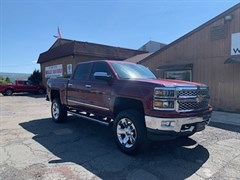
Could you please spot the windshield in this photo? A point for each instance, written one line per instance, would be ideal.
(129, 71)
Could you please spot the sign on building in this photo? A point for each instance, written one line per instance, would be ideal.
(235, 46)
(69, 69)
(54, 71)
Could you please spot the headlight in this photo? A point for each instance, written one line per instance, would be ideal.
(163, 93)
(164, 98)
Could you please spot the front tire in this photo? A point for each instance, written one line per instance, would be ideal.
(129, 131)
(58, 111)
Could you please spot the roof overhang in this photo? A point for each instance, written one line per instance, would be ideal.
(232, 60)
(176, 67)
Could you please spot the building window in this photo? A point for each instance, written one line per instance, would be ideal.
(218, 32)
(185, 75)
(177, 71)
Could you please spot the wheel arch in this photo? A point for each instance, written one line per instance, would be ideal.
(122, 103)
(54, 94)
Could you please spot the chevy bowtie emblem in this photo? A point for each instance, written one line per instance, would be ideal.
(199, 99)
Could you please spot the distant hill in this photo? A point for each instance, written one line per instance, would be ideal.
(14, 76)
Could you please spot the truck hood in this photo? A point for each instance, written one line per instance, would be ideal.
(170, 83)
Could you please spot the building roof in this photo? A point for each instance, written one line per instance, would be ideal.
(66, 47)
(138, 58)
(152, 46)
(227, 12)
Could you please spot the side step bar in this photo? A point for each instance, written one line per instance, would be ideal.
(89, 118)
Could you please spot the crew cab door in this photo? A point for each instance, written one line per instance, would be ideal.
(100, 89)
(24, 86)
(20, 86)
(77, 88)
(30, 86)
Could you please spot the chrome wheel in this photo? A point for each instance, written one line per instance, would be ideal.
(126, 132)
(55, 110)
(59, 111)
(8, 92)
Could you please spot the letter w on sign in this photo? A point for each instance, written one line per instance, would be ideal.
(235, 44)
(236, 51)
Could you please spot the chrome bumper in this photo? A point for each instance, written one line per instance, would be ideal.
(174, 124)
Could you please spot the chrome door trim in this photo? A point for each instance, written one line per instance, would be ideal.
(89, 105)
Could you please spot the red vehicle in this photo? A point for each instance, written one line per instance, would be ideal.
(21, 86)
(130, 97)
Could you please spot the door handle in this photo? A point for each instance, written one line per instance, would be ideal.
(70, 84)
(88, 86)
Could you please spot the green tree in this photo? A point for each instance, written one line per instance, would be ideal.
(4, 80)
(36, 77)
(1, 80)
(8, 80)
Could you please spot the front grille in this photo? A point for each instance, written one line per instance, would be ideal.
(184, 93)
(184, 106)
(192, 100)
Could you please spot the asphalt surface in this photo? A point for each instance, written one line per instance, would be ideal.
(34, 147)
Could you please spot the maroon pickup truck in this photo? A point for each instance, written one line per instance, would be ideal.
(21, 86)
(133, 100)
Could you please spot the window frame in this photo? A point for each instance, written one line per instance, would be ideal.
(166, 73)
(92, 72)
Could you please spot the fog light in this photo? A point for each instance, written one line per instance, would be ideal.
(163, 104)
(167, 123)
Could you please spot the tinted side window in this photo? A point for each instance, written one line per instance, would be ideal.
(21, 82)
(82, 71)
(30, 83)
(100, 67)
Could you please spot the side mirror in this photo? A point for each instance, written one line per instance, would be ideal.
(102, 76)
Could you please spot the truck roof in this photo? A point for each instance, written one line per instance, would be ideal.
(108, 61)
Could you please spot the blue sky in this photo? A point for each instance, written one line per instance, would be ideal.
(27, 26)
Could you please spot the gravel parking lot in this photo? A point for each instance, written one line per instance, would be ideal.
(34, 147)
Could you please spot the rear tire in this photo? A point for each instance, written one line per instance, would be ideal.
(58, 111)
(129, 131)
(8, 92)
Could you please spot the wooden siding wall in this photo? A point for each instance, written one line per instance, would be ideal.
(207, 57)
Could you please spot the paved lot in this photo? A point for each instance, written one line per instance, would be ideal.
(33, 147)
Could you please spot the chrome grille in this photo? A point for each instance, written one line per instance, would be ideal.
(191, 105)
(192, 99)
(201, 92)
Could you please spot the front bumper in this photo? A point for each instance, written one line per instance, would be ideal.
(170, 128)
